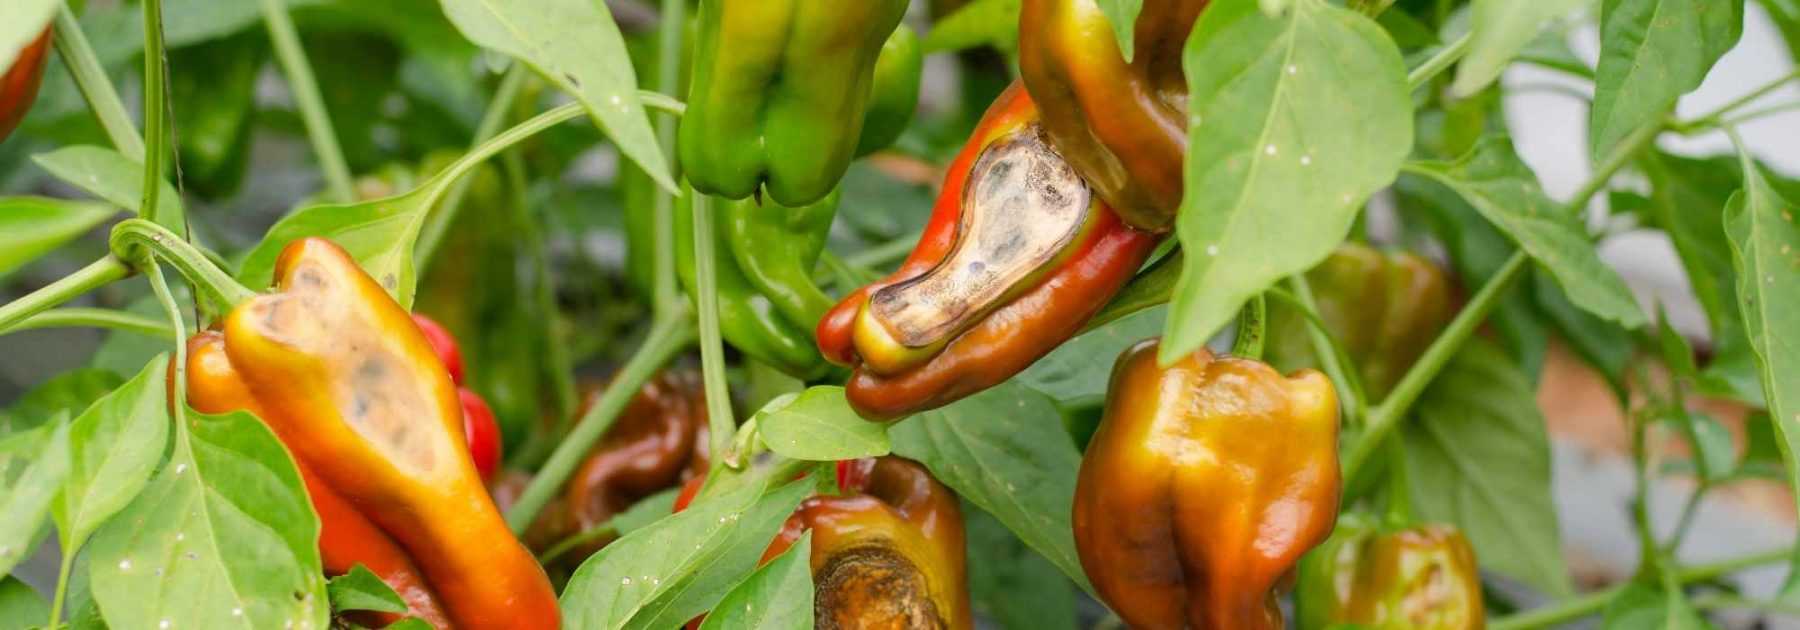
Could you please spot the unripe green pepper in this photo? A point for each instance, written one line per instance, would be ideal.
(1420, 578)
(895, 94)
(1383, 308)
(779, 92)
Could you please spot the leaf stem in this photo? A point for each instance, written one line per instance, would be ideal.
(1251, 323)
(78, 317)
(98, 273)
(442, 181)
(668, 336)
(305, 89)
(1713, 118)
(90, 77)
(665, 295)
(440, 216)
(712, 351)
(1445, 56)
(580, 538)
(156, 135)
(62, 589)
(218, 288)
(1582, 606)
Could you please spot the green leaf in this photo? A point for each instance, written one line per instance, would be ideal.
(1478, 457)
(111, 176)
(1604, 345)
(1786, 16)
(1293, 123)
(1003, 451)
(21, 608)
(1493, 180)
(819, 425)
(1651, 53)
(361, 589)
(223, 537)
(1715, 452)
(576, 45)
(1123, 14)
(664, 574)
(33, 465)
(114, 446)
(1765, 252)
(33, 226)
(1077, 372)
(71, 392)
(1644, 606)
(1499, 30)
(646, 511)
(779, 595)
(410, 623)
(25, 21)
(979, 23)
(1012, 584)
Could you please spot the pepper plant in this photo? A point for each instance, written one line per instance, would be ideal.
(641, 313)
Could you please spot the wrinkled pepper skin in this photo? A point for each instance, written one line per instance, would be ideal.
(659, 441)
(895, 94)
(1420, 578)
(748, 319)
(356, 391)
(346, 537)
(1383, 308)
(1205, 483)
(1016, 256)
(1123, 125)
(779, 93)
(19, 86)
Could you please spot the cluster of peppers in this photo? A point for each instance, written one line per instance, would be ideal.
(19, 84)
(369, 409)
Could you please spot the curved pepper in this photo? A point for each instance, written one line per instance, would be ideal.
(659, 442)
(1382, 308)
(1122, 124)
(889, 553)
(19, 86)
(355, 390)
(1016, 256)
(776, 248)
(895, 94)
(1422, 578)
(346, 537)
(748, 319)
(1205, 483)
(779, 93)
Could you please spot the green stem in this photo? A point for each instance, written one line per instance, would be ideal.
(438, 221)
(161, 287)
(1626, 151)
(543, 292)
(1250, 329)
(1330, 353)
(90, 77)
(1149, 288)
(156, 104)
(712, 350)
(1713, 118)
(665, 296)
(1399, 499)
(216, 287)
(1755, 114)
(880, 256)
(62, 587)
(79, 317)
(667, 338)
(305, 89)
(1722, 601)
(1582, 606)
(1437, 63)
(96, 274)
(580, 538)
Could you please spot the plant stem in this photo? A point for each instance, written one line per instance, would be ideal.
(90, 77)
(1584, 605)
(156, 105)
(79, 317)
(665, 296)
(1713, 118)
(1437, 63)
(96, 274)
(580, 538)
(305, 89)
(62, 587)
(712, 351)
(440, 183)
(1755, 114)
(441, 215)
(1250, 329)
(218, 288)
(1330, 354)
(543, 292)
(668, 336)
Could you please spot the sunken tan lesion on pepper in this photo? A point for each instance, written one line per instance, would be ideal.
(872, 586)
(1024, 207)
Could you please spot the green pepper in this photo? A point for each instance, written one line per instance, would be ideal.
(896, 91)
(779, 93)
(1415, 578)
(748, 319)
(776, 248)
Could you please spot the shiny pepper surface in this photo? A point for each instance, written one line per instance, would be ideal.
(779, 93)
(1122, 124)
(355, 390)
(659, 442)
(1382, 308)
(757, 323)
(1016, 256)
(1420, 578)
(19, 85)
(895, 94)
(346, 537)
(1205, 483)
